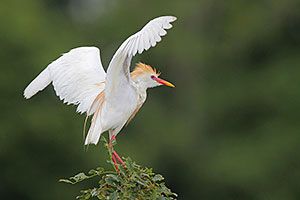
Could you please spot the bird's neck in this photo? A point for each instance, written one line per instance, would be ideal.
(140, 86)
(142, 93)
(140, 83)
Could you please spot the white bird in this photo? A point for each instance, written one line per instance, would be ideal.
(113, 98)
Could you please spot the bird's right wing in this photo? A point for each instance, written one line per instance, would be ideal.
(77, 76)
(118, 73)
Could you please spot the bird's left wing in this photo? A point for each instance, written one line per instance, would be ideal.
(118, 73)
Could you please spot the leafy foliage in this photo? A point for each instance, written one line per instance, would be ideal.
(130, 182)
(232, 123)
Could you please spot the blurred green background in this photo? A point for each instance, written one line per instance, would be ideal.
(229, 130)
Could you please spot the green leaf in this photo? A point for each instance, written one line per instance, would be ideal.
(113, 196)
(66, 181)
(157, 178)
(112, 180)
(132, 182)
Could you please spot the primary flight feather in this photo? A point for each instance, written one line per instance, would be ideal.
(113, 98)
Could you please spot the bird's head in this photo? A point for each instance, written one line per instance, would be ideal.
(148, 77)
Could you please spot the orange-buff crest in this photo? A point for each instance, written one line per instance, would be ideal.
(142, 68)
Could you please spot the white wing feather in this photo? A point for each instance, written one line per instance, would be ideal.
(77, 76)
(118, 70)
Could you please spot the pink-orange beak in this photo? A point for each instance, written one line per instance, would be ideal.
(163, 82)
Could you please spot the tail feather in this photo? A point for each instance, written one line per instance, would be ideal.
(95, 130)
(38, 84)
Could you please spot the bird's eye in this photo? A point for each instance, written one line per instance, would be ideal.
(153, 77)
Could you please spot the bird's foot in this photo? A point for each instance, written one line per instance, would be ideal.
(117, 160)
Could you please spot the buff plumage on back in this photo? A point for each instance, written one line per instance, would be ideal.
(118, 73)
(79, 78)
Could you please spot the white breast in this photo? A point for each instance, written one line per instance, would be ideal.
(116, 112)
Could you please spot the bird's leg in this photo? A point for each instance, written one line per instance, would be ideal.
(111, 149)
(110, 144)
(114, 153)
(115, 162)
(114, 156)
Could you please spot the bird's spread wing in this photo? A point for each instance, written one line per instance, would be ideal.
(118, 71)
(77, 76)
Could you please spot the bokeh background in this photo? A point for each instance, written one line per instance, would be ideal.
(229, 130)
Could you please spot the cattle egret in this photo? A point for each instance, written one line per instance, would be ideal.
(113, 98)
